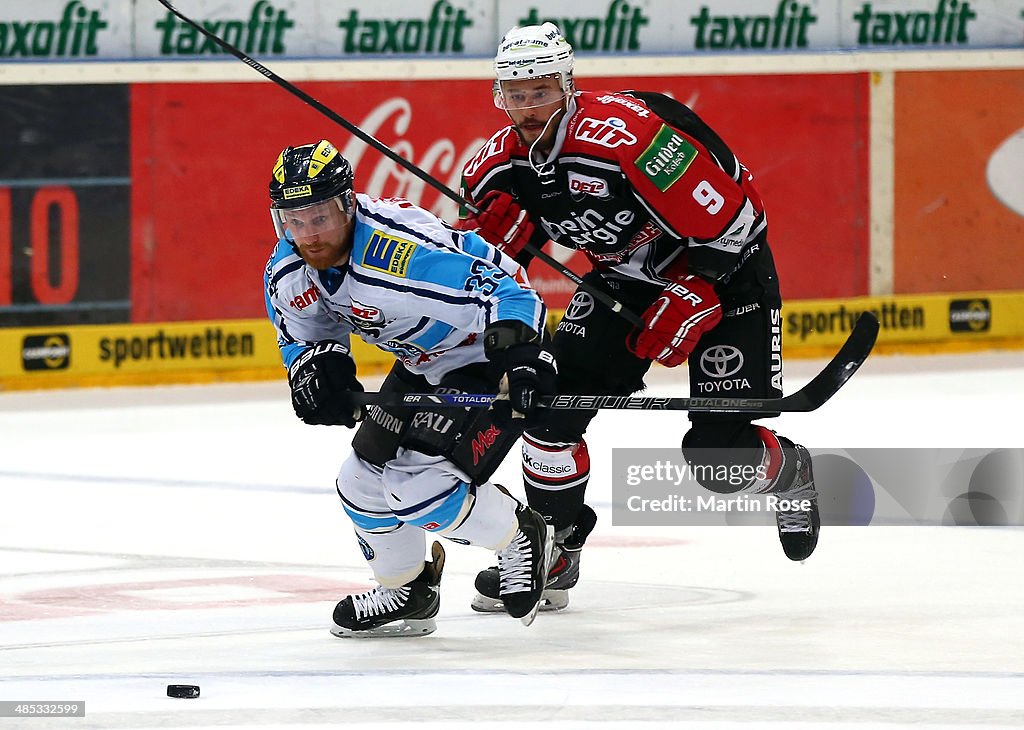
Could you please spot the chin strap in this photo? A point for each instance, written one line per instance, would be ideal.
(547, 169)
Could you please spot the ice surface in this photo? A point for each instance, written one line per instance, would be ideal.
(192, 535)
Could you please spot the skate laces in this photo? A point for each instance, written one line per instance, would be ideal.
(379, 601)
(797, 520)
(515, 565)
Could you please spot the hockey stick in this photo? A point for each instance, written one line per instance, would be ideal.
(811, 397)
(423, 175)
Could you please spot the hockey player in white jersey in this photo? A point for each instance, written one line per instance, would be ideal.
(459, 316)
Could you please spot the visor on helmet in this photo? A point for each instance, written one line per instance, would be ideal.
(320, 218)
(517, 95)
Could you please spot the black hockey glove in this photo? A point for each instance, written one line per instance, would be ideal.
(323, 379)
(529, 371)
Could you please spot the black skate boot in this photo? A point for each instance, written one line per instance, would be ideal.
(798, 529)
(563, 575)
(523, 565)
(385, 612)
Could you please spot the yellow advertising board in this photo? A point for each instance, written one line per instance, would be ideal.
(919, 323)
(99, 355)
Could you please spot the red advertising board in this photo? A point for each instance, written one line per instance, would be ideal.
(959, 170)
(202, 155)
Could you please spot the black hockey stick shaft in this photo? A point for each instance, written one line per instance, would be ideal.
(423, 175)
(811, 397)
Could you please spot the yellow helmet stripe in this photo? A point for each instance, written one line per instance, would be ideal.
(324, 153)
(279, 168)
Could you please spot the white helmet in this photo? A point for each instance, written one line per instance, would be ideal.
(534, 50)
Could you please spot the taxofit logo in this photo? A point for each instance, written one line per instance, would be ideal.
(617, 29)
(74, 34)
(261, 31)
(443, 31)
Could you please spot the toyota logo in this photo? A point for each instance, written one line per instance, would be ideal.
(581, 306)
(721, 361)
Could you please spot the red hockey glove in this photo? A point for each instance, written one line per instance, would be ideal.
(676, 321)
(501, 222)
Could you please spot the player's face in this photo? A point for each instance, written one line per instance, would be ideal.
(322, 232)
(531, 103)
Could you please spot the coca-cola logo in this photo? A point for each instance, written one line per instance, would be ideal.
(377, 175)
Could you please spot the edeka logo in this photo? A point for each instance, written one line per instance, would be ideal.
(261, 32)
(946, 26)
(73, 35)
(441, 32)
(787, 28)
(970, 315)
(46, 352)
(617, 30)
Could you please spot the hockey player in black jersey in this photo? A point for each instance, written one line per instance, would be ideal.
(675, 230)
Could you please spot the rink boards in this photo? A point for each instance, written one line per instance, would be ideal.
(245, 349)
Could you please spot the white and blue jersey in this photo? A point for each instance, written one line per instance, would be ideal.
(412, 286)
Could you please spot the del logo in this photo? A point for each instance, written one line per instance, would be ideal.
(484, 440)
(388, 254)
(970, 315)
(586, 185)
(610, 132)
(46, 352)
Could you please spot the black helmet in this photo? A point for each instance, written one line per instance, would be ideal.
(311, 173)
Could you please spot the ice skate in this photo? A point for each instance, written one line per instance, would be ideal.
(523, 565)
(798, 530)
(387, 612)
(563, 574)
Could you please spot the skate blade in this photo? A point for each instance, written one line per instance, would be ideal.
(549, 556)
(406, 627)
(528, 618)
(551, 600)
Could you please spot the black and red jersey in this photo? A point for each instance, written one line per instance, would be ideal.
(637, 181)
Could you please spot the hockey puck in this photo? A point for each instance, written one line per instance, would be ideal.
(182, 690)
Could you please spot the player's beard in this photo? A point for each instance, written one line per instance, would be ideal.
(540, 131)
(323, 254)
